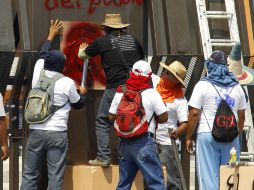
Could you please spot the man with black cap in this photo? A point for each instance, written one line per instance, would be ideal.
(217, 87)
(49, 139)
(119, 51)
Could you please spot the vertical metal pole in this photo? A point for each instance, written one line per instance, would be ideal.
(152, 26)
(178, 162)
(84, 73)
(14, 165)
(145, 26)
(165, 18)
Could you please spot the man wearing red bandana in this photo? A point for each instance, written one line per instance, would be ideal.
(139, 152)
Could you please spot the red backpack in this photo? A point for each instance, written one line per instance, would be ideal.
(131, 118)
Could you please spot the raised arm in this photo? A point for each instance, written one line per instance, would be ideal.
(54, 30)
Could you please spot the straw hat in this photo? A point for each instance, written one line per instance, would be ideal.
(114, 21)
(177, 69)
(244, 74)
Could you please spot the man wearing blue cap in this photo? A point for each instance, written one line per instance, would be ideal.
(218, 85)
(49, 139)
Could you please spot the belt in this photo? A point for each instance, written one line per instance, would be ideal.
(149, 134)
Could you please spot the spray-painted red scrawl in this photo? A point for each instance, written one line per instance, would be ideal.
(74, 34)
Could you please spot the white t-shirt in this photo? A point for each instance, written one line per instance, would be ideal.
(205, 95)
(65, 91)
(177, 112)
(152, 103)
(2, 112)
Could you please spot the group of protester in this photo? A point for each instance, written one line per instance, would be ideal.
(164, 104)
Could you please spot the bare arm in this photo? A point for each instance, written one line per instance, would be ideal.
(162, 118)
(111, 117)
(194, 116)
(54, 30)
(179, 131)
(241, 118)
(3, 138)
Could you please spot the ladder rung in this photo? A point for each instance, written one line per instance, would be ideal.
(218, 13)
(249, 157)
(222, 42)
(219, 16)
(247, 153)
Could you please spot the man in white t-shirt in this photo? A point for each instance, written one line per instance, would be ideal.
(49, 139)
(207, 94)
(170, 86)
(3, 131)
(139, 152)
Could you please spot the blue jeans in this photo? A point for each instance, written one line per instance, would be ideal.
(139, 153)
(53, 146)
(167, 157)
(103, 125)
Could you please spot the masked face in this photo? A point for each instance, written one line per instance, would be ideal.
(169, 76)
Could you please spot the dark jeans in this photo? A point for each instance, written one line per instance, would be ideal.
(139, 154)
(53, 145)
(103, 125)
(167, 157)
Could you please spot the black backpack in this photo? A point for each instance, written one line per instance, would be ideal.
(224, 126)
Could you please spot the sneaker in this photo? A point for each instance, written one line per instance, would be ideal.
(97, 162)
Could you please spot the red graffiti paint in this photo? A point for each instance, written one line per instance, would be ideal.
(93, 4)
(69, 4)
(79, 32)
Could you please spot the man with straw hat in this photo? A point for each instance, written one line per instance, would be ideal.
(119, 51)
(170, 86)
(218, 85)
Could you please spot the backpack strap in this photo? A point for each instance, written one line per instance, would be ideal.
(219, 93)
(52, 82)
(123, 88)
(55, 78)
(206, 119)
(245, 94)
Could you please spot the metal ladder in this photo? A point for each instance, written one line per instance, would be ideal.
(203, 16)
(208, 43)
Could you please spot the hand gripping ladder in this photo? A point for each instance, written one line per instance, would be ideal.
(208, 43)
